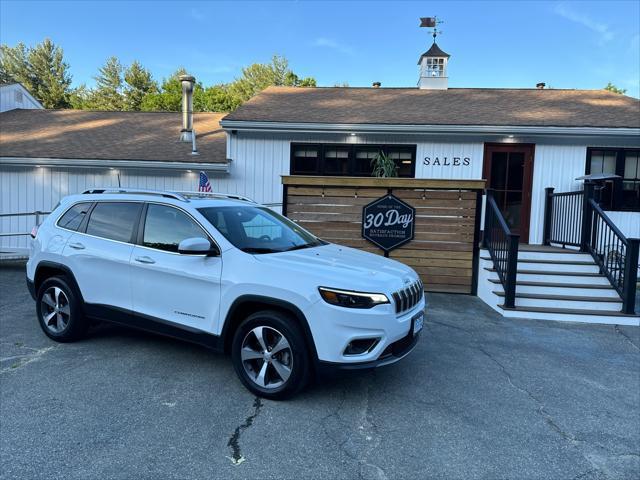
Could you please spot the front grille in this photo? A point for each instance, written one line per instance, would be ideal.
(409, 297)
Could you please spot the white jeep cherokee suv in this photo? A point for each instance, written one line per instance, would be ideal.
(222, 271)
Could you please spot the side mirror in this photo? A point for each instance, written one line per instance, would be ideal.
(197, 246)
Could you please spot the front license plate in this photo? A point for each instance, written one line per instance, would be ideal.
(418, 323)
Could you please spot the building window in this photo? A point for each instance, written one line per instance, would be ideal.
(621, 193)
(435, 67)
(349, 160)
(631, 181)
(305, 159)
(336, 160)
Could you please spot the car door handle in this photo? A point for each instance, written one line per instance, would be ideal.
(145, 259)
(77, 246)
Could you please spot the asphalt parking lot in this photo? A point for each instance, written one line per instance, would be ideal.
(480, 397)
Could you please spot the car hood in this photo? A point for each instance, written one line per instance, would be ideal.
(343, 267)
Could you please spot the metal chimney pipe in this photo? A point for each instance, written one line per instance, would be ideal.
(186, 134)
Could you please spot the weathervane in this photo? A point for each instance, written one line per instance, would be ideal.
(431, 22)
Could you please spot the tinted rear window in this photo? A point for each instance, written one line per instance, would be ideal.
(114, 220)
(73, 217)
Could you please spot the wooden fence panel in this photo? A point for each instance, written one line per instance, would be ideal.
(445, 246)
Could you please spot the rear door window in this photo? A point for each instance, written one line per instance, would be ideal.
(72, 218)
(114, 220)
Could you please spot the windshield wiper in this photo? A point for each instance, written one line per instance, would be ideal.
(259, 250)
(301, 246)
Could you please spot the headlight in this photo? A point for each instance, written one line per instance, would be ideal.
(348, 299)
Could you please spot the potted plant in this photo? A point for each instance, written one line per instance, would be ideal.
(383, 166)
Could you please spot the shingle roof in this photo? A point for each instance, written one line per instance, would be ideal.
(82, 134)
(434, 51)
(455, 106)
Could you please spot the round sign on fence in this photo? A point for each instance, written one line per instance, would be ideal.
(388, 222)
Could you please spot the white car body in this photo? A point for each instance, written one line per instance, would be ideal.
(198, 294)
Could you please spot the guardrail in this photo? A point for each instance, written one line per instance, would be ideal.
(38, 214)
(502, 245)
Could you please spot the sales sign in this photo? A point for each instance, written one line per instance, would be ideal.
(388, 222)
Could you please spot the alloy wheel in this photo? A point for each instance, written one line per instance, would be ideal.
(55, 309)
(266, 357)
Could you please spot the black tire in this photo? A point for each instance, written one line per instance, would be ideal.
(76, 324)
(297, 355)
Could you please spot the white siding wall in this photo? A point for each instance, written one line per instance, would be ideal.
(27, 189)
(553, 166)
(15, 96)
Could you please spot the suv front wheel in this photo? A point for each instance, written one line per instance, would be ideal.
(270, 356)
(59, 310)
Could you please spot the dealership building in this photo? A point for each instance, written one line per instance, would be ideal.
(522, 142)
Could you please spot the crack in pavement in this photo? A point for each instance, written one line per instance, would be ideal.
(234, 441)
(548, 418)
(626, 337)
(34, 355)
(369, 430)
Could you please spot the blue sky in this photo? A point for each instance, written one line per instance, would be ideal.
(493, 44)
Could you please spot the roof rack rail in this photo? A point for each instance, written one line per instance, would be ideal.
(214, 195)
(141, 191)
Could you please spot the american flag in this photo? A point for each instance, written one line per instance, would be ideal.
(204, 185)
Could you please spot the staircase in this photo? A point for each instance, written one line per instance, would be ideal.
(554, 284)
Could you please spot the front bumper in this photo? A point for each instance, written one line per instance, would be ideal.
(334, 328)
(393, 353)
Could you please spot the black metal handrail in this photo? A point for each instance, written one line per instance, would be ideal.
(563, 218)
(576, 219)
(502, 245)
(616, 255)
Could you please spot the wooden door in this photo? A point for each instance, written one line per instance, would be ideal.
(508, 169)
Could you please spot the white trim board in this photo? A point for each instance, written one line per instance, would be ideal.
(116, 164)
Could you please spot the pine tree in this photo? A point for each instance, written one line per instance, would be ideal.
(139, 82)
(108, 92)
(51, 81)
(41, 70)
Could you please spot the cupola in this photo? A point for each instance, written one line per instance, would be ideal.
(433, 68)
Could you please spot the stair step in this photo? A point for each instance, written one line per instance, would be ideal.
(543, 272)
(569, 311)
(558, 262)
(557, 285)
(575, 298)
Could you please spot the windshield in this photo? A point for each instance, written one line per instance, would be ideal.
(255, 229)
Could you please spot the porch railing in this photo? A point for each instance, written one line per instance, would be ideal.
(561, 226)
(502, 245)
(576, 219)
(616, 255)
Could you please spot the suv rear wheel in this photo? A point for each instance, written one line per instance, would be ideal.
(59, 311)
(270, 356)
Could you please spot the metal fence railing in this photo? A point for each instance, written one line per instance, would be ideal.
(502, 245)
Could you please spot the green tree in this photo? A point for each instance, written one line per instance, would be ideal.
(14, 65)
(41, 69)
(612, 88)
(259, 76)
(108, 94)
(169, 98)
(81, 98)
(139, 82)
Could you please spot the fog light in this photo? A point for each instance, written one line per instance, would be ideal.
(360, 346)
